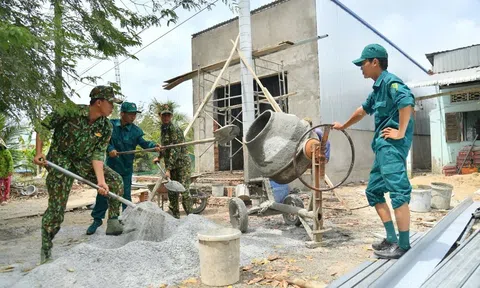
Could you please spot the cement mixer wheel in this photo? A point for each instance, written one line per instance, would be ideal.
(292, 219)
(238, 214)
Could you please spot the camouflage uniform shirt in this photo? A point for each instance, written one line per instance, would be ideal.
(174, 158)
(74, 138)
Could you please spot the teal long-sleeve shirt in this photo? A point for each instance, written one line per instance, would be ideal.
(390, 95)
(125, 138)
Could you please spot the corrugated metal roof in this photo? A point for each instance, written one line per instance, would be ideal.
(449, 78)
(430, 55)
(255, 11)
(457, 59)
(460, 268)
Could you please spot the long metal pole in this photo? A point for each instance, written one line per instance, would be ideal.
(354, 15)
(248, 107)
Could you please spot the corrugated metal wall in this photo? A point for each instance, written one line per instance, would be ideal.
(342, 86)
(457, 59)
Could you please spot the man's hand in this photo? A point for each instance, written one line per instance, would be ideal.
(158, 147)
(337, 126)
(113, 154)
(40, 160)
(156, 160)
(103, 189)
(391, 133)
(167, 174)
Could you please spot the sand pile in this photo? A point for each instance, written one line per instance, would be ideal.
(125, 261)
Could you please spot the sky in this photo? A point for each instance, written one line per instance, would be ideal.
(417, 27)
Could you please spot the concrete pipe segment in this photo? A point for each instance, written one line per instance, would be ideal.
(271, 142)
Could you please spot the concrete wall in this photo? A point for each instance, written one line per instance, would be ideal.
(444, 153)
(282, 22)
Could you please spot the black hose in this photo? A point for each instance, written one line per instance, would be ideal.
(349, 169)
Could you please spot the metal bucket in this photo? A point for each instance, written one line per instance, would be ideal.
(271, 142)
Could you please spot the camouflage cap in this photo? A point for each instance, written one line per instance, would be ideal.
(165, 109)
(105, 92)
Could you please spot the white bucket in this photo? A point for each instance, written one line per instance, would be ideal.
(217, 190)
(421, 199)
(219, 251)
(441, 195)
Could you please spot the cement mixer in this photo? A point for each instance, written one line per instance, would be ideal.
(282, 148)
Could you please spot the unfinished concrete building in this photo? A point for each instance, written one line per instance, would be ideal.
(302, 50)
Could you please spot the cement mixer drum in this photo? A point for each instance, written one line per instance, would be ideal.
(272, 139)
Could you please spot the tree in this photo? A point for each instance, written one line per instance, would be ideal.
(150, 124)
(11, 132)
(180, 119)
(32, 77)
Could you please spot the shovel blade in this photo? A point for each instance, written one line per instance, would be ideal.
(174, 186)
(226, 134)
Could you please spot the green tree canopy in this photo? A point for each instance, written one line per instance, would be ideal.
(42, 41)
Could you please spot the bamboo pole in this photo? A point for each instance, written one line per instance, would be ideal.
(214, 86)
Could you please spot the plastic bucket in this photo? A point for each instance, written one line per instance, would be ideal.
(219, 251)
(421, 199)
(441, 195)
(280, 191)
(217, 190)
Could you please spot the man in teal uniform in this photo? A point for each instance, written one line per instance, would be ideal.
(392, 103)
(125, 137)
(79, 141)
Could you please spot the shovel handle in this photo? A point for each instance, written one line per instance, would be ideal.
(208, 140)
(93, 185)
(136, 151)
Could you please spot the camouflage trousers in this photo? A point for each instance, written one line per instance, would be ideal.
(59, 186)
(183, 176)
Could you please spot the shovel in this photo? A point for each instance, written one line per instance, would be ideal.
(171, 185)
(222, 136)
(75, 176)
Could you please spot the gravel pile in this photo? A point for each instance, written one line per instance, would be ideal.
(126, 261)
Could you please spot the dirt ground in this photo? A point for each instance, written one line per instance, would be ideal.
(345, 245)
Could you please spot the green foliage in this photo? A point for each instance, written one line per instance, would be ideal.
(11, 131)
(150, 124)
(33, 79)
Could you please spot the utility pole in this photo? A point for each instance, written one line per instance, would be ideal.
(248, 106)
(117, 72)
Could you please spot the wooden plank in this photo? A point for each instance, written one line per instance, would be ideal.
(172, 83)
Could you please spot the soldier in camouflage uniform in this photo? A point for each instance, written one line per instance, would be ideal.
(177, 162)
(80, 139)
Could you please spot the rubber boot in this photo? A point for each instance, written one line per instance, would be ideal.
(93, 228)
(114, 227)
(45, 256)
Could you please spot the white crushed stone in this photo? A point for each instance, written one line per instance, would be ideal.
(123, 261)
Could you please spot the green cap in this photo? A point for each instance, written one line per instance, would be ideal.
(371, 51)
(166, 109)
(129, 107)
(104, 92)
